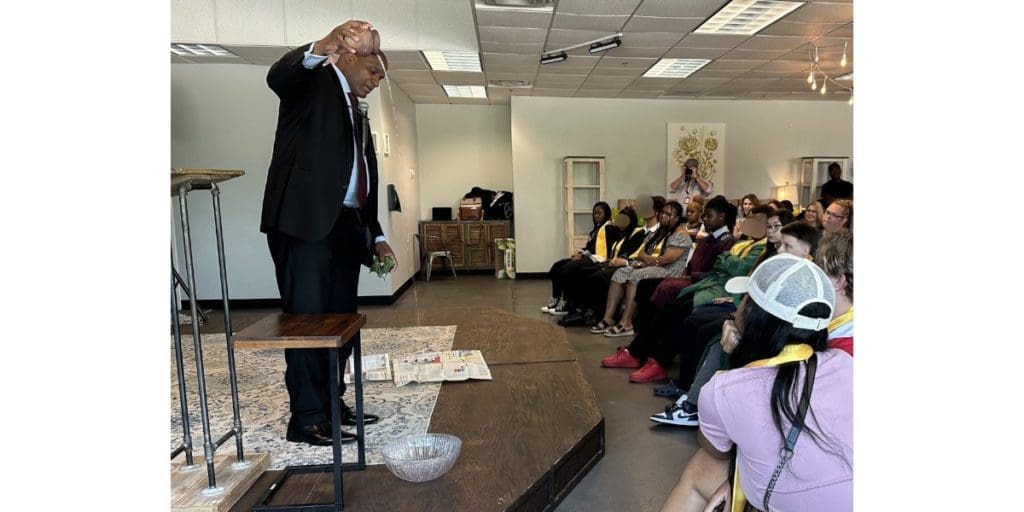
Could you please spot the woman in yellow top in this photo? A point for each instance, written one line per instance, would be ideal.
(599, 244)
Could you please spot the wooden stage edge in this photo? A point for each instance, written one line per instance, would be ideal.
(529, 436)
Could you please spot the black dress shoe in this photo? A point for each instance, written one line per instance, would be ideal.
(317, 435)
(574, 319)
(348, 417)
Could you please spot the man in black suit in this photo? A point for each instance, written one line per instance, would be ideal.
(320, 206)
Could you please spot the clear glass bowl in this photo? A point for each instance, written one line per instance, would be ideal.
(421, 457)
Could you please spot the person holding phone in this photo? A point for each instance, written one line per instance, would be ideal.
(690, 183)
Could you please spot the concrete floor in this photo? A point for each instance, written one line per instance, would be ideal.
(642, 461)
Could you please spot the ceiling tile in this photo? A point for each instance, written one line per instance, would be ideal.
(421, 89)
(492, 18)
(178, 60)
(654, 83)
(508, 75)
(711, 41)
(604, 23)
(635, 93)
(598, 93)
(553, 92)
(695, 53)
(822, 13)
(606, 81)
(404, 55)
(679, 26)
(250, 21)
(778, 43)
(525, 48)
(513, 35)
(734, 64)
(592, 7)
(459, 78)
(844, 31)
(508, 61)
(677, 9)
(786, 28)
(620, 71)
(623, 63)
(699, 83)
(193, 21)
(651, 39)
(630, 51)
(257, 52)
(227, 59)
(716, 73)
(412, 76)
(753, 54)
(752, 83)
(469, 101)
(559, 81)
(790, 66)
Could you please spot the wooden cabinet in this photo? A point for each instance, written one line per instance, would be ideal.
(584, 186)
(471, 242)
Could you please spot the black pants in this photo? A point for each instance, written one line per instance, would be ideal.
(569, 275)
(654, 339)
(690, 338)
(320, 276)
(645, 309)
(593, 290)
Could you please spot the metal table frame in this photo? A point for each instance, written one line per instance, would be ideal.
(182, 182)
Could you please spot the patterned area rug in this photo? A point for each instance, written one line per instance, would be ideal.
(263, 398)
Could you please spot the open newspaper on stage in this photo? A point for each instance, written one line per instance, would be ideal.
(376, 368)
(449, 365)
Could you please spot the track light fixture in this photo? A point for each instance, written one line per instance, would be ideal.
(548, 58)
(600, 47)
(596, 46)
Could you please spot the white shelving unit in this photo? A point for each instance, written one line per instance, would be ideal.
(814, 172)
(584, 186)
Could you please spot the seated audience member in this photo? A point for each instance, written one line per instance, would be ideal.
(592, 292)
(784, 376)
(787, 205)
(631, 242)
(838, 215)
(799, 239)
(597, 250)
(813, 214)
(775, 205)
(670, 263)
(650, 343)
(748, 203)
(835, 257)
(693, 223)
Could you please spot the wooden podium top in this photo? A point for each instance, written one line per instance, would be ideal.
(201, 177)
(300, 331)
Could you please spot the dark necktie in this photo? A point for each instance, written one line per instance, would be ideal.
(362, 191)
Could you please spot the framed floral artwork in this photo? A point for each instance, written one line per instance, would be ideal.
(704, 142)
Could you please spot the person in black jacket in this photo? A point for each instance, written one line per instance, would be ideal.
(320, 206)
(598, 249)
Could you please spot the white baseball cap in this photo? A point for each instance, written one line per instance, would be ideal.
(783, 284)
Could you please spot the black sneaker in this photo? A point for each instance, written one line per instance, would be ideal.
(682, 415)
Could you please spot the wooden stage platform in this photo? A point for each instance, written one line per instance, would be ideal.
(528, 436)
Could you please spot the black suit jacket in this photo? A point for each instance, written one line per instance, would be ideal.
(313, 153)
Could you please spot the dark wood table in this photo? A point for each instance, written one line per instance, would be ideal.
(323, 331)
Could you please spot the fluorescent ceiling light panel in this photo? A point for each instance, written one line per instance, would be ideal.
(453, 61)
(465, 91)
(848, 76)
(746, 17)
(199, 50)
(516, 5)
(675, 68)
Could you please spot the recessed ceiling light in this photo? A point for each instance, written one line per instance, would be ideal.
(848, 76)
(453, 61)
(510, 84)
(199, 50)
(746, 17)
(675, 68)
(465, 91)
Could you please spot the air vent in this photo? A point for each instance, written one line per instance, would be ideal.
(510, 84)
(534, 4)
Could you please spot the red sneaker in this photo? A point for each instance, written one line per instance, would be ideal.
(651, 372)
(621, 359)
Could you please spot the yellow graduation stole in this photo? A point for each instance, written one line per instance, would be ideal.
(601, 244)
(789, 354)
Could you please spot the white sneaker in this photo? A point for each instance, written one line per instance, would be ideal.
(560, 310)
(684, 415)
(551, 306)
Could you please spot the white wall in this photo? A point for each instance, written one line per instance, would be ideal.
(224, 116)
(462, 146)
(763, 143)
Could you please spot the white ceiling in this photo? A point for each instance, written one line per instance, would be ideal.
(772, 64)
